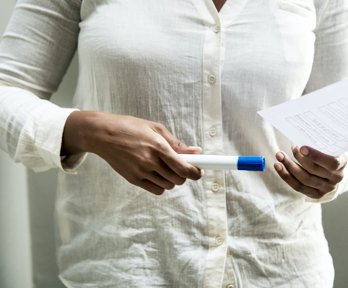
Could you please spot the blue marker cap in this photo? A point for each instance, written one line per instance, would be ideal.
(251, 163)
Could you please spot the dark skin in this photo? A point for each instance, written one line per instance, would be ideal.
(219, 4)
(313, 173)
(146, 154)
(143, 152)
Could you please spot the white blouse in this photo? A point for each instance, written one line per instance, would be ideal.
(204, 75)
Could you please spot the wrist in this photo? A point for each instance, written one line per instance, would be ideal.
(78, 131)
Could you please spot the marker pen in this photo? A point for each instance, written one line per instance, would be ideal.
(226, 162)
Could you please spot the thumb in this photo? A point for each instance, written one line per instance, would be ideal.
(177, 145)
(181, 148)
(190, 150)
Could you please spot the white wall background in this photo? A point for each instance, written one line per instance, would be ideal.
(27, 248)
(15, 258)
(27, 256)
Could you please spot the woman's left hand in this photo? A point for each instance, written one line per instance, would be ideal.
(314, 175)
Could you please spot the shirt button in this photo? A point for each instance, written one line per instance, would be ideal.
(230, 286)
(212, 131)
(217, 28)
(219, 240)
(215, 187)
(212, 79)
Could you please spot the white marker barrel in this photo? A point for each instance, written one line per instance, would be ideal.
(226, 162)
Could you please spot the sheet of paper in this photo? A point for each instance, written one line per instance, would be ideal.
(318, 119)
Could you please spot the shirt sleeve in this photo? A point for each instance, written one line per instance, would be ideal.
(331, 60)
(35, 51)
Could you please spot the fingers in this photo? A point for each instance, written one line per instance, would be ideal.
(153, 182)
(144, 153)
(315, 174)
(157, 179)
(190, 150)
(163, 177)
(176, 144)
(151, 187)
(180, 166)
(165, 168)
(320, 164)
(169, 154)
(295, 183)
(309, 165)
(172, 141)
(165, 172)
(300, 179)
(321, 159)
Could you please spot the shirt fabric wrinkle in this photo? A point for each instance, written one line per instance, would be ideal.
(204, 75)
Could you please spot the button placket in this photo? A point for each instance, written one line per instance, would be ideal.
(212, 79)
(219, 240)
(213, 180)
(215, 187)
(230, 276)
(217, 28)
(212, 131)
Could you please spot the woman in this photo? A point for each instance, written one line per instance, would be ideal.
(153, 72)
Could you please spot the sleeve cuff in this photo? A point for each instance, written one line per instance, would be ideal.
(324, 199)
(45, 130)
(50, 150)
(70, 164)
(31, 130)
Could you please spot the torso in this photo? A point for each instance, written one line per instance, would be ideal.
(152, 59)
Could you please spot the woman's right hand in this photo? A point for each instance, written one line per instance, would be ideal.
(142, 151)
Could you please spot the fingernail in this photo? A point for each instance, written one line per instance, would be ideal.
(304, 151)
(280, 156)
(342, 160)
(202, 172)
(195, 147)
(278, 167)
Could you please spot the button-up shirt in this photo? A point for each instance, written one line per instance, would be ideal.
(204, 74)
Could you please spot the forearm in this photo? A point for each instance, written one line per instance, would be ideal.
(35, 50)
